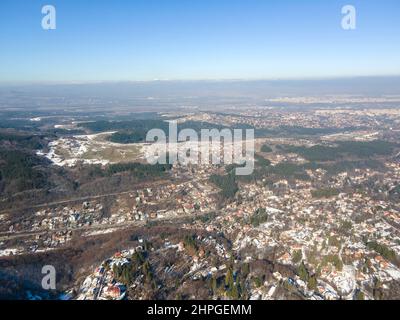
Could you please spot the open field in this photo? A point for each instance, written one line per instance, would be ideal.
(91, 149)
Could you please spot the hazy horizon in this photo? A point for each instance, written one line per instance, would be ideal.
(366, 86)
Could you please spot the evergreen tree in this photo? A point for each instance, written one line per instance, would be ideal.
(229, 278)
(214, 284)
(234, 292)
(297, 255)
(302, 272)
(312, 283)
(359, 295)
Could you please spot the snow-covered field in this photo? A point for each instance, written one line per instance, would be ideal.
(96, 149)
(90, 149)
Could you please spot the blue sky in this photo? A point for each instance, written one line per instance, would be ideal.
(99, 40)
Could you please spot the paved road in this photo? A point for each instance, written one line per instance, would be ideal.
(87, 198)
(124, 225)
(80, 199)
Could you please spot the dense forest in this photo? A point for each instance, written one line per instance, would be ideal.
(227, 184)
(19, 172)
(128, 136)
(10, 139)
(134, 131)
(287, 170)
(19, 166)
(140, 170)
(266, 149)
(359, 149)
(139, 126)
